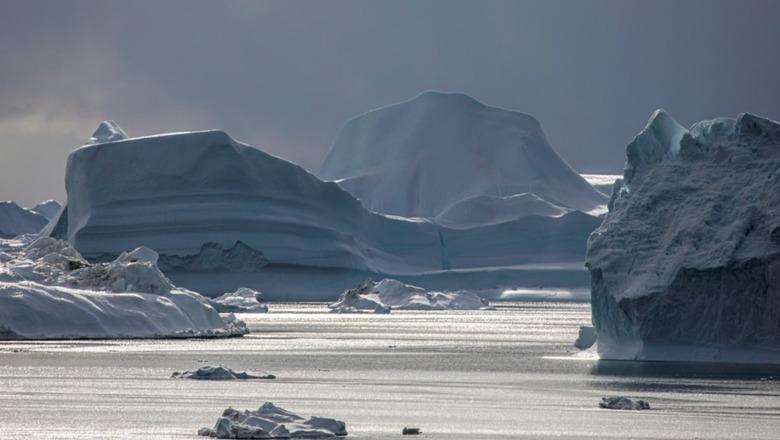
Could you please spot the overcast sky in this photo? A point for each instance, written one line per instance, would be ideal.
(285, 75)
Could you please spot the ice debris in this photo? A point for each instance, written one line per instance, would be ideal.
(271, 421)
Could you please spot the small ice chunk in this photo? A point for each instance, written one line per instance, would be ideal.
(243, 300)
(586, 338)
(620, 402)
(220, 373)
(390, 294)
(270, 421)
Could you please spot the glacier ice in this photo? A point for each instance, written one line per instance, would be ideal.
(389, 294)
(224, 215)
(15, 220)
(686, 264)
(420, 157)
(271, 421)
(49, 291)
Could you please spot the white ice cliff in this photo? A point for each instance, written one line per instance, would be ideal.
(224, 215)
(686, 265)
(48, 291)
(421, 157)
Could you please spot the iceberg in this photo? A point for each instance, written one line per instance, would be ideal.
(421, 157)
(389, 294)
(243, 300)
(49, 291)
(686, 264)
(271, 421)
(15, 220)
(48, 208)
(624, 403)
(107, 131)
(224, 215)
(220, 373)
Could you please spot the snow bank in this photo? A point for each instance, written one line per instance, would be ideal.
(420, 157)
(220, 373)
(213, 206)
(685, 265)
(391, 294)
(270, 421)
(15, 220)
(243, 300)
(48, 291)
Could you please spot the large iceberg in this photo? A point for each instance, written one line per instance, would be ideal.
(422, 157)
(224, 215)
(49, 291)
(686, 265)
(15, 220)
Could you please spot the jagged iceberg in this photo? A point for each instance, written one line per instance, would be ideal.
(686, 265)
(389, 294)
(49, 291)
(271, 421)
(223, 215)
(424, 156)
(243, 300)
(219, 372)
(15, 220)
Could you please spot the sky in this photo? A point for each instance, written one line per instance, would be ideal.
(285, 75)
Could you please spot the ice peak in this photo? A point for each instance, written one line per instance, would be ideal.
(660, 137)
(107, 131)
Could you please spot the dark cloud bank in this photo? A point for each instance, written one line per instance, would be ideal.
(286, 75)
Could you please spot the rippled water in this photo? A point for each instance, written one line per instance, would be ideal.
(461, 375)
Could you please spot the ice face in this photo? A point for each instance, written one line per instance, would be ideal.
(420, 157)
(686, 263)
(107, 131)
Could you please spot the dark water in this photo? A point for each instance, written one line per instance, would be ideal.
(462, 375)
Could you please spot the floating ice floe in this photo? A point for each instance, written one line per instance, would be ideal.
(388, 294)
(220, 373)
(586, 338)
(270, 421)
(49, 291)
(243, 300)
(620, 402)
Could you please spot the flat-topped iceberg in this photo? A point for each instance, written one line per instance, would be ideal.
(686, 265)
(49, 291)
(224, 215)
(271, 421)
(389, 294)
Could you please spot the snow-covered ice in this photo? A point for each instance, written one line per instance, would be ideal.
(220, 373)
(271, 421)
(49, 291)
(243, 300)
(624, 403)
(389, 294)
(423, 156)
(15, 220)
(685, 265)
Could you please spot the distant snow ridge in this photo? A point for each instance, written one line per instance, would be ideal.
(421, 157)
(221, 210)
(686, 264)
(49, 291)
(389, 294)
(15, 220)
(271, 421)
(107, 131)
